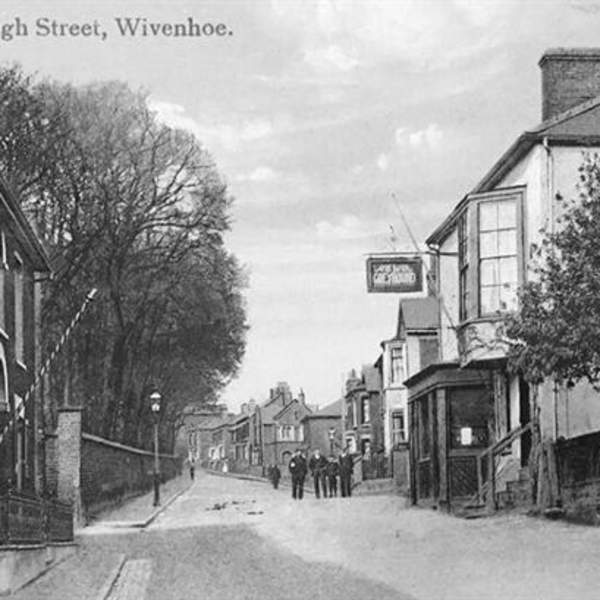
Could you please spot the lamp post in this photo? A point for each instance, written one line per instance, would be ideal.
(331, 439)
(155, 399)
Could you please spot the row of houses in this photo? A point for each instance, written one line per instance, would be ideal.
(261, 434)
(439, 395)
(470, 420)
(370, 419)
(441, 388)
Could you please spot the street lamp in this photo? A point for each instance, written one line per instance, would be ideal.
(155, 399)
(331, 439)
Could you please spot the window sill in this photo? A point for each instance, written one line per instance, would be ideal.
(492, 318)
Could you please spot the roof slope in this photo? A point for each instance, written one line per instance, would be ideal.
(578, 125)
(419, 314)
(331, 410)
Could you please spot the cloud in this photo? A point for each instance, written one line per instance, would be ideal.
(429, 138)
(350, 34)
(226, 135)
(330, 58)
(259, 175)
(383, 162)
(174, 115)
(349, 227)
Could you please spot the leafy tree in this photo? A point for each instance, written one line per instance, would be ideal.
(558, 326)
(138, 210)
(556, 333)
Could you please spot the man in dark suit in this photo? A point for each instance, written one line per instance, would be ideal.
(346, 467)
(333, 470)
(297, 468)
(318, 470)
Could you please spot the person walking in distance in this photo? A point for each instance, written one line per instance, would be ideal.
(332, 470)
(297, 468)
(318, 470)
(275, 476)
(346, 465)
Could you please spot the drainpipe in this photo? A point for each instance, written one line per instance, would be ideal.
(550, 200)
(555, 402)
(549, 181)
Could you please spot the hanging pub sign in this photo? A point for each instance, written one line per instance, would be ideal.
(397, 274)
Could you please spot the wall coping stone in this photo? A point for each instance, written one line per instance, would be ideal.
(99, 440)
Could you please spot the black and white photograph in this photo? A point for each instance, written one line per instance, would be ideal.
(300, 299)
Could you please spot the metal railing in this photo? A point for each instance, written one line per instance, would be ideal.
(32, 520)
(486, 486)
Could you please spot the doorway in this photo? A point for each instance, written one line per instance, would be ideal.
(524, 418)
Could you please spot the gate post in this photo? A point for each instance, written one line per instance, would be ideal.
(69, 459)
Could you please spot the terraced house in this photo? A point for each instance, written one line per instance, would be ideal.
(471, 419)
(31, 523)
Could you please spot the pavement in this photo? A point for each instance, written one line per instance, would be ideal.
(227, 538)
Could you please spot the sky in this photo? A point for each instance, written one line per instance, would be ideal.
(327, 119)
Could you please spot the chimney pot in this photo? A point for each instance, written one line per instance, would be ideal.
(570, 76)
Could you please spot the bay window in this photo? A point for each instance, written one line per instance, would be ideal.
(397, 366)
(498, 255)
(463, 265)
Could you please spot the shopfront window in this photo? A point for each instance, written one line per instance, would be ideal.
(471, 413)
(424, 428)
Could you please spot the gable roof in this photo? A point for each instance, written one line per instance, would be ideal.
(579, 125)
(372, 378)
(295, 402)
(331, 410)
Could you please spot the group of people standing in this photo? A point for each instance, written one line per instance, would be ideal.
(324, 472)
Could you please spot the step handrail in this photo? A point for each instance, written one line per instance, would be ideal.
(490, 453)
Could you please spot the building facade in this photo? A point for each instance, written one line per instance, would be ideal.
(363, 423)
(323, 428)
(414, 347)
(468, 406)
(23, 265)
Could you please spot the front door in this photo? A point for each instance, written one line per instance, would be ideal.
(524, 418)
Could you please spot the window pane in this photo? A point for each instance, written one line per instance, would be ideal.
(508, 297)
(488, 216)
(490, 299)
(488, 244)
(507, 242)
(507, 214)
(489, 272)
(508, 270)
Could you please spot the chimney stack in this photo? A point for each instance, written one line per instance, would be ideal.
(570, 76)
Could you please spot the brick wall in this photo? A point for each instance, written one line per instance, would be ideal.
(111, 472)
(569, 77)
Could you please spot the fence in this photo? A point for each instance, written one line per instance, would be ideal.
(32, 520)
(376, 466)
(579, 476)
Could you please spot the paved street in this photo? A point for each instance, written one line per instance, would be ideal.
(233, 539)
